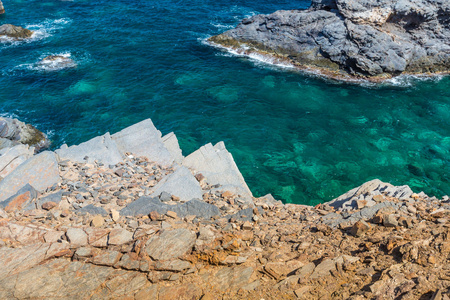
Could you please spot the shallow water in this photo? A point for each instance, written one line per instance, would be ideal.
(302, 138)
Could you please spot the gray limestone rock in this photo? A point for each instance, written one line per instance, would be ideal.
(171, 142)
(143, 139)
(19, 132)
(101, 148)
(11, 158)
(374, 39)
(145, 205)
(92, 210)
(40, 171)
(219, 168)
(181, 183)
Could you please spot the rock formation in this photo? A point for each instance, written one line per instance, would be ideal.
(2, 9)
(57, 62)
(99, 221)
(14, 132)
(346, 39)
(15, 32)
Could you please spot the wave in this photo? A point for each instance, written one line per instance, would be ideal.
(40, 31)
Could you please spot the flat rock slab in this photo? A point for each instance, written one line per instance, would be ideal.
(171, 244)
(146, 205)
(40, 171)
(181, 183)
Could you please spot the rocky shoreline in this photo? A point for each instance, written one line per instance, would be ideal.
(127, 216)
(351, 40)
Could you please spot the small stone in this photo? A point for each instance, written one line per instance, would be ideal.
(49, 205)
(115, 215)
(301, 291)
(172, 214)
(390, 221)
(360, 228)
(378, 198)
(97, 221)
(227, 194)
(165, 197)
(155, 216)
(247, 226)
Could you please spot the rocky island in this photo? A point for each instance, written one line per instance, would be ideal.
(127, 216)
(350, 40)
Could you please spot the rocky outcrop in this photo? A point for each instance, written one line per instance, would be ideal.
(96, 221)
(15, 32)
(57, 62)
(2, 9)
(347, 39)
(14, 132)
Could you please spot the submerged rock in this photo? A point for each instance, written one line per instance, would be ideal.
(57, 62)
(16, 32)
(20, 133)
(347, 39)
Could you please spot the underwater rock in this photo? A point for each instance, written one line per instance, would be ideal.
(16, 32)
(347, 39)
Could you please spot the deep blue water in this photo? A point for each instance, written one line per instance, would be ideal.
(302, 138)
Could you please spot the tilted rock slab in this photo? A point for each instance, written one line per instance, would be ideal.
(373, 39)
(219, 168)
(40, 171)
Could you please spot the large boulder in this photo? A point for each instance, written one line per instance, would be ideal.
(2, 9)
(15, 32)
(19, 132)
(348, 39)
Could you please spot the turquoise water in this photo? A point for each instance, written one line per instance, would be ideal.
(302, 138)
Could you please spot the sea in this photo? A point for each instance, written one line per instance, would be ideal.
(300, 137)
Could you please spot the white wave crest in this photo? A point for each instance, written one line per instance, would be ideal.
(40, 32)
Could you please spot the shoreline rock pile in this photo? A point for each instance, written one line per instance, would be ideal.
(128, 216)
(350, 40)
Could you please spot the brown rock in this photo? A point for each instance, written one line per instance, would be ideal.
(170, 244)
(360, 228)
(49, 205)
